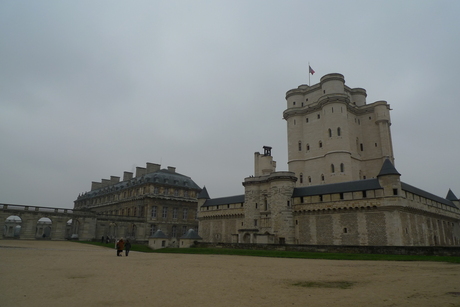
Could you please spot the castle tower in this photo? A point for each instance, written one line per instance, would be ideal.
(333, 135)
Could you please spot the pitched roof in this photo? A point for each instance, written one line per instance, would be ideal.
(425, 194)
(203, 194)
(191, 234)
(451, 196)
(163, 177)
(342, 187)
(224, 201)
(388, 169)
(159, 234)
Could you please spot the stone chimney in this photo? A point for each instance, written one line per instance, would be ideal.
(127, 176)
(140, 171)
(95, 185)
(114, 179)
(171, 169)
(152, 167)
(105, 183)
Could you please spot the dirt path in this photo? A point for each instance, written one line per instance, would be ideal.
(44, 273)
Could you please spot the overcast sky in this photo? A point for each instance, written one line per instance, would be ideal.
(90, 89)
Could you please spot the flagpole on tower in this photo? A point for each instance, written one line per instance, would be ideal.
(310, 72)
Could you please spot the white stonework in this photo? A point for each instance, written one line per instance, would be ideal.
(341, 187)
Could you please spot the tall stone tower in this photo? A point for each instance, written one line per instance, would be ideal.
(333, 135)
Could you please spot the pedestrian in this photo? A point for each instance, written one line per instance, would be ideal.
(120, 247)
(127, 247)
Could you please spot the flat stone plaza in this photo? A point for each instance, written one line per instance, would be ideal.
(61, 273)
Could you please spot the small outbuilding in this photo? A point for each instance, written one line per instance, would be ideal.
(189, 238)
(158, 240)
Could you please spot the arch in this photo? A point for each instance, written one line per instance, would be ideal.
(43, 228)
(13, 226)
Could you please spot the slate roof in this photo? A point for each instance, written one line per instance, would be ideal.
(159, 235)
(451, 196)
(163, 176)
(203, 194)
(342, 187)
(422, 193)
(191, 234)
(388, 169)
(224, 201)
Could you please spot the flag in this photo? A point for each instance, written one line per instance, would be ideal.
(311, 70)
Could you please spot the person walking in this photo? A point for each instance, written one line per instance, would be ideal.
(127, 247)
(120, 247)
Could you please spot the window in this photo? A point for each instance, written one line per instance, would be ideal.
(308, 147)
(364, 194)
(176, 192)
(153, 229)
(184, 230)
(395, 191)
(306, 119)
(301, 178)
(342, 168)
(155, 190)
(309, 179)
(332, 109)
(345, 230)
(322, 177)
(320, 197)
(301, 199)
(338, 131)
(165, 212)
(293, 103)
(154, 212)
(341, 195)
(332, 168)
(185, 213)
(330, 132)
(288, 203)
(175, 213)
(320, 144)
(134, 211)
(255, 223)
(361, 147)
(174, 231)
(319, 116)
(300, 146)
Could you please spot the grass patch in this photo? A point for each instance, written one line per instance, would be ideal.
(282, 254)
(325, 284)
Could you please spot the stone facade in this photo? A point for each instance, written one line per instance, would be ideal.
(135, 208)
(341, 188)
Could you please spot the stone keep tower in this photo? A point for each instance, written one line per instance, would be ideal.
(333, 135)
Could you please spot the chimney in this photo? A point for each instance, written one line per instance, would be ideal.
(114, 179)
(127, 176)
(95, 185)
(105, 183)
(171, 169)
(152, 167)
(140, 171)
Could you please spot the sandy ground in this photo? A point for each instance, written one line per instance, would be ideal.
(44, 273)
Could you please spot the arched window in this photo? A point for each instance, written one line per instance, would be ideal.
(338, 131)
(308, 147)
(301, 178)
(300, 146)
(330, 132)
(332, 168)
(342, 168)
